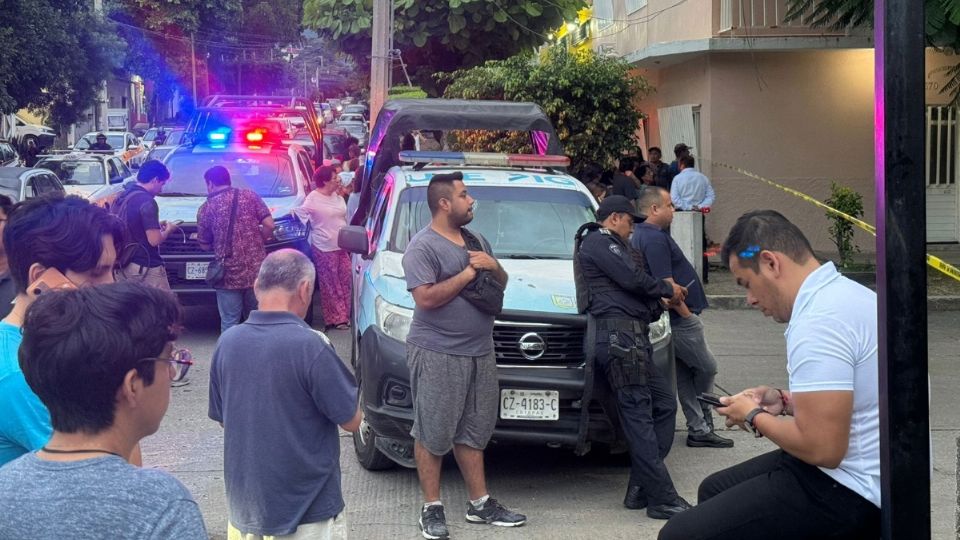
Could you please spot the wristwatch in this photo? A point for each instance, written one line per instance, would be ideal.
(748, 421)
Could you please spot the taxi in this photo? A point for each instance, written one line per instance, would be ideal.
(126, 145)
(83, 174)
(528, 208)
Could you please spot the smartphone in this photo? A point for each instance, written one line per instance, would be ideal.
(50, 280)
(710, 399)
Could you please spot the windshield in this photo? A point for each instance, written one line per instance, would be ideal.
(519, 223)
(268, 175)
(115, 141)
(173, 137)
(151, 134)
(351, 118)
(76, 173)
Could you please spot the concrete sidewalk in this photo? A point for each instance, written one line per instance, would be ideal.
(943, 293)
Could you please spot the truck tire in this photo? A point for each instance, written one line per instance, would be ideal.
(364, 445)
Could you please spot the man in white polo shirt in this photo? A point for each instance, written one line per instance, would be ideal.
(824, 481)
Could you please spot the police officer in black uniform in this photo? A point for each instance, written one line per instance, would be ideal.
(624, 299)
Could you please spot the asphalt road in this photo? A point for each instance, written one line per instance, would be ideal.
(564, 496)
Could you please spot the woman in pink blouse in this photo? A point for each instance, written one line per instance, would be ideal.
(326, 210)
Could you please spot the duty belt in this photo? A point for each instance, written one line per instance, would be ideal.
(623, 325)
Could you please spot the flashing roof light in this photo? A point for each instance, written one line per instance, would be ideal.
(255, 135)
(218, 135)
(488, 159)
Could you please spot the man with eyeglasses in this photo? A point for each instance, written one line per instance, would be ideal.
(137, 208)
(279, 390)
(101, 360)
(52, 240)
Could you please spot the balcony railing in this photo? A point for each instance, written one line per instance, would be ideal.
(765, 18)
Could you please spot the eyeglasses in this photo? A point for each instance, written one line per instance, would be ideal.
(178, 363)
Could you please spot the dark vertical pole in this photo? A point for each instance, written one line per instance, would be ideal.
(901, 270)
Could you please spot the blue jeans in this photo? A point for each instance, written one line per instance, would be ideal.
(233, 304)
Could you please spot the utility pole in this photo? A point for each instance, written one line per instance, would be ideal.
(193, 67)
(100, 108)
(379, 55)
(901, 270)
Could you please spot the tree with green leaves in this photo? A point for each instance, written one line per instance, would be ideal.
(55, 54)
(442, 35)
(590, 99)
(942, 21)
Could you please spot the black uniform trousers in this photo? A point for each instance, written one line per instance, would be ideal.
(775, 495)
(648, 415)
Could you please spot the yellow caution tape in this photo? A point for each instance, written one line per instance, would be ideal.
(934, 262)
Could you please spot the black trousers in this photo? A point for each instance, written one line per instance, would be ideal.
(648, 415)
(775, 496)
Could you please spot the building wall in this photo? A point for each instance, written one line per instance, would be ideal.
(637, 30)
(802, 119)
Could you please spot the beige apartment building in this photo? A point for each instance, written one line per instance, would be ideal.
(783, 100)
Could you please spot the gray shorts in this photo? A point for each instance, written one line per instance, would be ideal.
(455, 399)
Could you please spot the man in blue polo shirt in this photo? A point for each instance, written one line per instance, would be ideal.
(696, 366)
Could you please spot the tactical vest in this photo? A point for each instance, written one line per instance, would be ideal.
(585, 290)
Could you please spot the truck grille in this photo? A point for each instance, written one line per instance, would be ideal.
(538, 344)
(182, 242)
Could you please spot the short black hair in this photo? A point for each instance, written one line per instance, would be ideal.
(57, 231)
(217, 175)
(628, 163)
(6, 204)
(151, 169)
(323, 175)
(687, 161)
(78, 345)
(654, 149)
(649, 196)
(764, 230)
(642, 170)
(441, 187)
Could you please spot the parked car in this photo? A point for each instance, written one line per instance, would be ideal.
(150, 137)
(358, 108)
(355, 125)
(125, 145)
(280, 173)
(83, 174)
(173, 140)
(22, 183)
(19, 130)
(8, 155)
(528, 209)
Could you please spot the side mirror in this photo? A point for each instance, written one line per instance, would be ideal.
(116, 180)
(354, 239)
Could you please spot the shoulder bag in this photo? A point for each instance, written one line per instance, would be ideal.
(216, 270)
(484, 291)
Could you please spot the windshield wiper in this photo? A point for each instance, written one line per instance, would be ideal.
(522, 256)
(179, 194)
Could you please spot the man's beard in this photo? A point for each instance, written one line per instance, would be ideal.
(462, 219)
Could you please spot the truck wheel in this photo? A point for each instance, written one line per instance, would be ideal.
(364, 444)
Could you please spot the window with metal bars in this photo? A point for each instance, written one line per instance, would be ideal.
(942, 145)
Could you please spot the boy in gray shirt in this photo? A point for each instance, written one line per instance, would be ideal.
(101, 360)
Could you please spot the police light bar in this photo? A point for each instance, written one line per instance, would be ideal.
(218, 135)
(490, 159)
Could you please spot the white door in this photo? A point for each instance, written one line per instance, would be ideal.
(943, 198)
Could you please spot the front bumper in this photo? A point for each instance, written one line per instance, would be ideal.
(382, 368)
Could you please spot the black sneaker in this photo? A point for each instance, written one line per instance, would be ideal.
(635, 499)
(433, 524)
(668, 510)
(708, 440)
(494, 513)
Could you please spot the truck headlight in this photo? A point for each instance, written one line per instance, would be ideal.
(660, 329)
(289, 228)
(393, 320)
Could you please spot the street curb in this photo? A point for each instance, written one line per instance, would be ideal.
(738, 301)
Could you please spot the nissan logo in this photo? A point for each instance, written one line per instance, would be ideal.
(532, 346)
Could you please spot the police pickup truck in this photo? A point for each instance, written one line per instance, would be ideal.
(529, 213)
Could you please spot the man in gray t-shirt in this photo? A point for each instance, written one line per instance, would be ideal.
(451, 358)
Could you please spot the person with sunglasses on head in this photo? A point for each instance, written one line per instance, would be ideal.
(52, 240)
(101, 359)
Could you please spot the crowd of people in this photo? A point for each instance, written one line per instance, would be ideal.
(86, 366)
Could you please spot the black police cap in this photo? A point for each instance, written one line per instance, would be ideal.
(617, 204)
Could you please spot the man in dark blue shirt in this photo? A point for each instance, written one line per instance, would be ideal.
(696, 366)
(624, 299)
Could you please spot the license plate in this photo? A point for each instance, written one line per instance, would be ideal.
(197, 270)
(529, 404)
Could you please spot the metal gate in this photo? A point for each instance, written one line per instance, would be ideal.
(943, 198)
